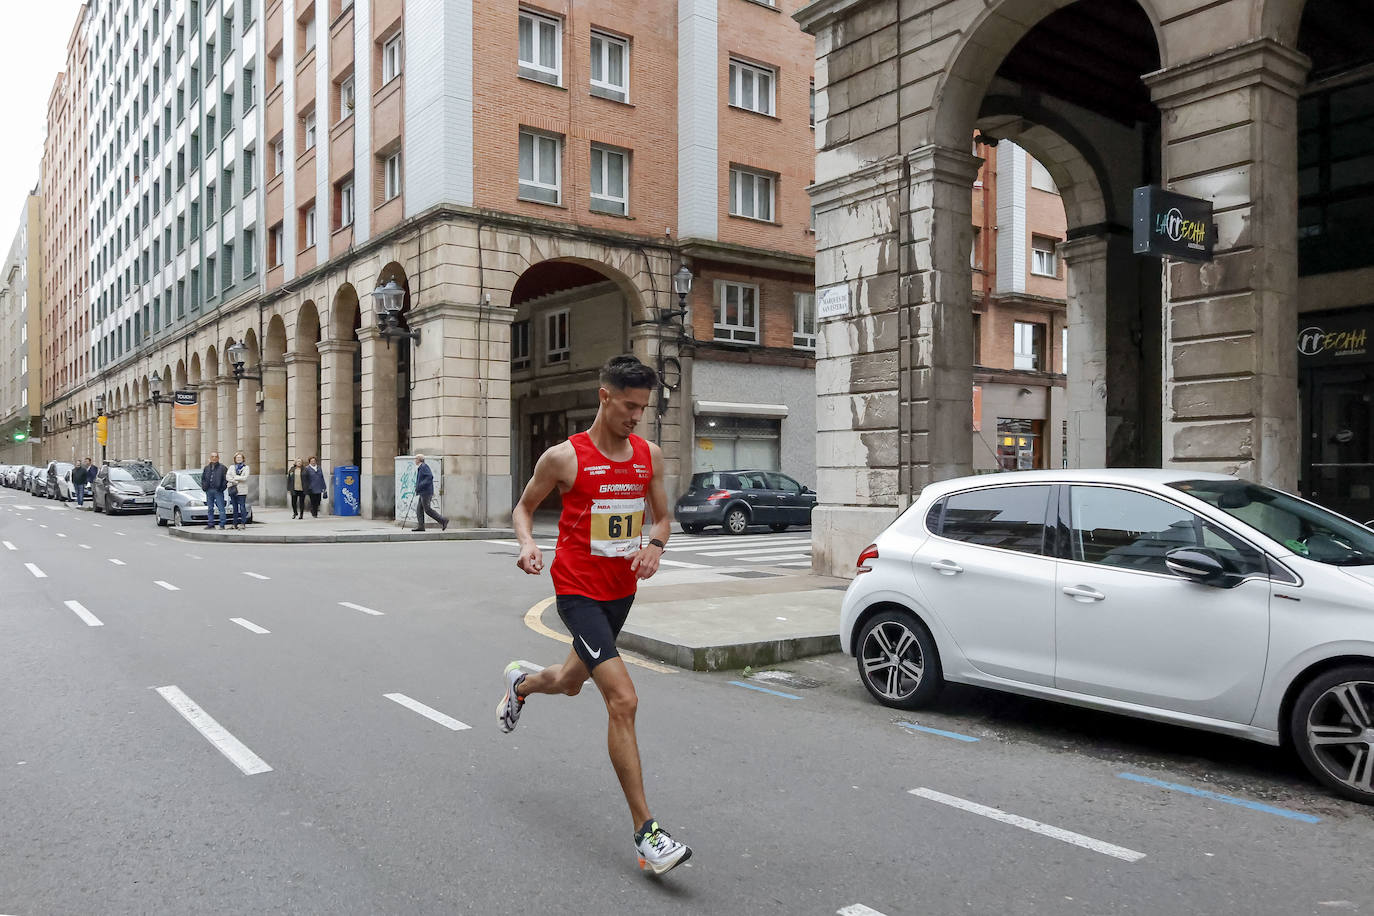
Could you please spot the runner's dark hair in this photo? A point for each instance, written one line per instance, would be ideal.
(622, 372)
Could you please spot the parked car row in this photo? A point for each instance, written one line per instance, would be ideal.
(52, 481)
(132, 485)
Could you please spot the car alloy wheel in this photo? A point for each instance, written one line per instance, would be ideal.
(898, 661)
(737, 521)
(177, 519)
(1333, 729)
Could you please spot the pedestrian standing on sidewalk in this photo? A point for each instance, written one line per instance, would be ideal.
(213, 479)
(80, 475)
(314, 485)
(238, 488)
(295, 485)
(605, 475)
(424, 492)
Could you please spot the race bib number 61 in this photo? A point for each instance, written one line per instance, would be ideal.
(616, 525)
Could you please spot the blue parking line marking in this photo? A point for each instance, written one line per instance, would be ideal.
(776, 693)
(937, 731)
(1228, 799)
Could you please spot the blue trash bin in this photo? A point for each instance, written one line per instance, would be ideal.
(346, 501)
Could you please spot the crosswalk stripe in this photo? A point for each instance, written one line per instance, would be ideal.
(428, 712)
(756, 552)
(681, 565)
(705, 549)
(785, 556)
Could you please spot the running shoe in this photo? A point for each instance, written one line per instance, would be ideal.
(659, 851)
(508, 710)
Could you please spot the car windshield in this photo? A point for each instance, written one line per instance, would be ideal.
(134, 472)
(190, 481)
(1309, 531)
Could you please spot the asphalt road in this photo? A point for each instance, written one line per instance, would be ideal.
(797, 798)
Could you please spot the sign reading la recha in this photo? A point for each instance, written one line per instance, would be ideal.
(1169, 225)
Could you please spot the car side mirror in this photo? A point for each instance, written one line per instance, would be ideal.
(1197, 564)
(805, 489)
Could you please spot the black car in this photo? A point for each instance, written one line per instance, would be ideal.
(124, 486)
(737, 499)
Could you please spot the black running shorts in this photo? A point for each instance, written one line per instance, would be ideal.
(594, 625)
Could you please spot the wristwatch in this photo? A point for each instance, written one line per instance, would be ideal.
(659, 544)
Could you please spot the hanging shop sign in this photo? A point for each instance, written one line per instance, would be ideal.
(1169, 225)
(184, 412)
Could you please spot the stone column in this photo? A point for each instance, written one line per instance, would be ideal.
(1229, 125)
(303, 395)
(647, 338)
(460, 407)
(378, 492)
(209, 422)
(162, 435)
(270, 468)
(246, 432)
(1086, 409)
(336, 407)
(193, 456)
(228, 419)
(894, 378)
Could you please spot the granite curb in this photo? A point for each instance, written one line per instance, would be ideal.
(338, 537)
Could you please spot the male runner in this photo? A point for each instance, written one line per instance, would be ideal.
(604, 476)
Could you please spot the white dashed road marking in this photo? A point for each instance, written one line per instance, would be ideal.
(237, 752)
(857, 909)
(256, 575)
(76, 608)
(1025, 823)
(359, 607)
(60, 534)
(249, 625)
(434, 714)
(37, 573)
(117, 562)
(85, 546)
(167, 585)
(9, 546)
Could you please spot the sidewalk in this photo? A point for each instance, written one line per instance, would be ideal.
(273, 525)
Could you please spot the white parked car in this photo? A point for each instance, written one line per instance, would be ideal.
(1196, 599)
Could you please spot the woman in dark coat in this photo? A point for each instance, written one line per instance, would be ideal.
(297, 480)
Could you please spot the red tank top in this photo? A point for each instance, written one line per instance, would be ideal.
(603, 515)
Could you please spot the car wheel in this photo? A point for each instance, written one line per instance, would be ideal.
(778, 527)
(1332, 729)
(692, 529)
(95, 505)
(177, 519)
(898, 661)
(737, 521)
(157, 517)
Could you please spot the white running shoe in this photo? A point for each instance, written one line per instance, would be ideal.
(508, 710)
(659, 851)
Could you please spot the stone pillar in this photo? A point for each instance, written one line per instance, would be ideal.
(209, 423)
(1086, 408)
(228, 419)
(303, 394)
(270, 468)
(246, 432)
(162, 435)
(460, 407)
(336, 407)
(647, 338)
(378, 491)
(894, 378)
(1231, 365)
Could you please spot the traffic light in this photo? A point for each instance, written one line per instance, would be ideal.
(21, 435)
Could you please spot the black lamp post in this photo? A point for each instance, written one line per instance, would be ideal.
(100, 411)
(669, 369)
(390, 299)
(155, 388)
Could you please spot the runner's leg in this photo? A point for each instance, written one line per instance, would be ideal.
(613, 680)
(566, 678)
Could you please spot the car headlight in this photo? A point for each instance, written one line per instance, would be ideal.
(196, 503)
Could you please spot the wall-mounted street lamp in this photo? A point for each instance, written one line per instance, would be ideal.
(155, 388)
(237, 354)
(390, 299)
(669, 368)
(100, 404)
(101, 430)
(71, 416)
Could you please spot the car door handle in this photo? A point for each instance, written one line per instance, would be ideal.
(946, 567)
(1083, 593)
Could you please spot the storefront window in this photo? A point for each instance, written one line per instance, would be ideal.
(729, 443)
(1336, 179)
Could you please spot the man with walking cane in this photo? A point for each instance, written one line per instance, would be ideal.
(424, 492)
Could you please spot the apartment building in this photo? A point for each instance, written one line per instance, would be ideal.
(21, 311)
(66, 320)
(1020, 322)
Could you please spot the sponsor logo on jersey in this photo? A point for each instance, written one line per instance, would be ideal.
(621, 488)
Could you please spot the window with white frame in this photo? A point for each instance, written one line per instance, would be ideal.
(309, 219)
(346, 203)
(347, 98)
(610, 180)
(309, 121)
(751, 194)
(520, 345)
(391, 58)
(556, 337)
(278, 156)
(392, 176)
(1029, 343)
(540, 167)
(275, 248)
(1044, 262)
(804, 321)
(752, 86)
(610, 67)
(308, 38)
(737, 312)
(541, 47)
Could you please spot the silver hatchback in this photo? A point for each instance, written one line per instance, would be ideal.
(1197, 599)
(179, 499)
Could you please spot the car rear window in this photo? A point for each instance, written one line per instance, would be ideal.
(1010, 518)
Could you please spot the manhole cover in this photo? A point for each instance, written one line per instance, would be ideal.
(784, 679)
(751, 574)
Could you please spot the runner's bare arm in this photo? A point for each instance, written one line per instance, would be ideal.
(557, 467)
(644, 562)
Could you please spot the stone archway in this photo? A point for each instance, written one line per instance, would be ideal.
(303, 384)
(273, 460)
(249, 397)
(340, 380)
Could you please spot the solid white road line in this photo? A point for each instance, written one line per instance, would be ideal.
(237, 752)
(249, 625)
(434, 714)
(167, 585)
(1025, 823)
(857, 909)
(359, 607)
(117, 562)
(37, 573)
(256, 575)
(76, 608)
(8, 545)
